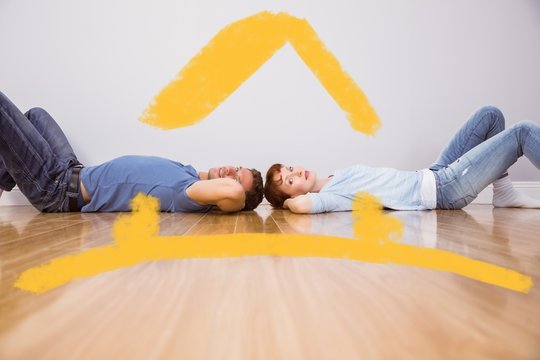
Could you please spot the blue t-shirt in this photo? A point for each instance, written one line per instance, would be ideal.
(113, 184)
(396, 189)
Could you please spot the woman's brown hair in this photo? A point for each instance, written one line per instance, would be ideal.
(272, 193)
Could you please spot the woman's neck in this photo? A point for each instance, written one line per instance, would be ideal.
(319, 184)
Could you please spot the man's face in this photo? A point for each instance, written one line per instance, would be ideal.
(238, 173)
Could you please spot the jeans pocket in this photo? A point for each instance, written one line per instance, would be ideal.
(456, 189)
(461, 202)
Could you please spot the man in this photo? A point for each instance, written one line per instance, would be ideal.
(36, 155)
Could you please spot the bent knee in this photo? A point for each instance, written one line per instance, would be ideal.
(36, 111)
(525, 128)
(492, 110)
(493, 115)
(526, 124)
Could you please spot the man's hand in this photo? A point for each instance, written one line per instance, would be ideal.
(225, 193)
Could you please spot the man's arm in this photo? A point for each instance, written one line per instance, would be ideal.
(227, 194)
(300, 204)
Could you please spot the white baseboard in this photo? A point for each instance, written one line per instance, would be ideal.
(14, 197)
(529, 188)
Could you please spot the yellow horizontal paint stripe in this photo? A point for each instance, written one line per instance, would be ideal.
(137, 241)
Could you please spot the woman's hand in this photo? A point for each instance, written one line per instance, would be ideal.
(300, 204)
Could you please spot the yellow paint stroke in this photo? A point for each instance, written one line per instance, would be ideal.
(235, 53)
(137, 240)
(230, 58)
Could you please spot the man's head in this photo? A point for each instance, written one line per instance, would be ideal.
(283, 182)
(250, 179)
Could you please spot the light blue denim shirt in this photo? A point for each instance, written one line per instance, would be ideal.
(395, 189)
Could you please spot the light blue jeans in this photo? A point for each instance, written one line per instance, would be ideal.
(480, 153)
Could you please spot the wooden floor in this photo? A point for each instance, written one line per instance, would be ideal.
(272, 307)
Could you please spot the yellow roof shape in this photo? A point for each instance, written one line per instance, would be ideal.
(235, 53)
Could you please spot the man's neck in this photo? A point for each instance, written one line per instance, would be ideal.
(203, 175)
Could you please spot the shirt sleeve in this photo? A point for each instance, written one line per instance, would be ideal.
(327, 202)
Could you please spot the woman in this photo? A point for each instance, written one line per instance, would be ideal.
(478, 155)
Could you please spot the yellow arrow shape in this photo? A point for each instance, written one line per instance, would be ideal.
(235, 53)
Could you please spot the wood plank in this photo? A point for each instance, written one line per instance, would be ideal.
(272, 307)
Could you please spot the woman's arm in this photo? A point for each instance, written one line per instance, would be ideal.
(300, 204)
(225, 193)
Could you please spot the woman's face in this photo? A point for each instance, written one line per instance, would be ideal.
(295, 181)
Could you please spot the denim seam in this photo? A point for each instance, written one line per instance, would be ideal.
(26, 173)
(473, 132)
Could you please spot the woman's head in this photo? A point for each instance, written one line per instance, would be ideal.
(283, 182)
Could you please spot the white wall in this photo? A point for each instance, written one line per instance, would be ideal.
(424, 64)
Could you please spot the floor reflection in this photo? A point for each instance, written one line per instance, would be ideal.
(497, 236)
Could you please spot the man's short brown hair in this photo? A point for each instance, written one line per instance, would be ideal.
(255, 195)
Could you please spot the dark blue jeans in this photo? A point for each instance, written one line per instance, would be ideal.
(36, 156)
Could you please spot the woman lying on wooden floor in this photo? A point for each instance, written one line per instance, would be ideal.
(479, 154)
